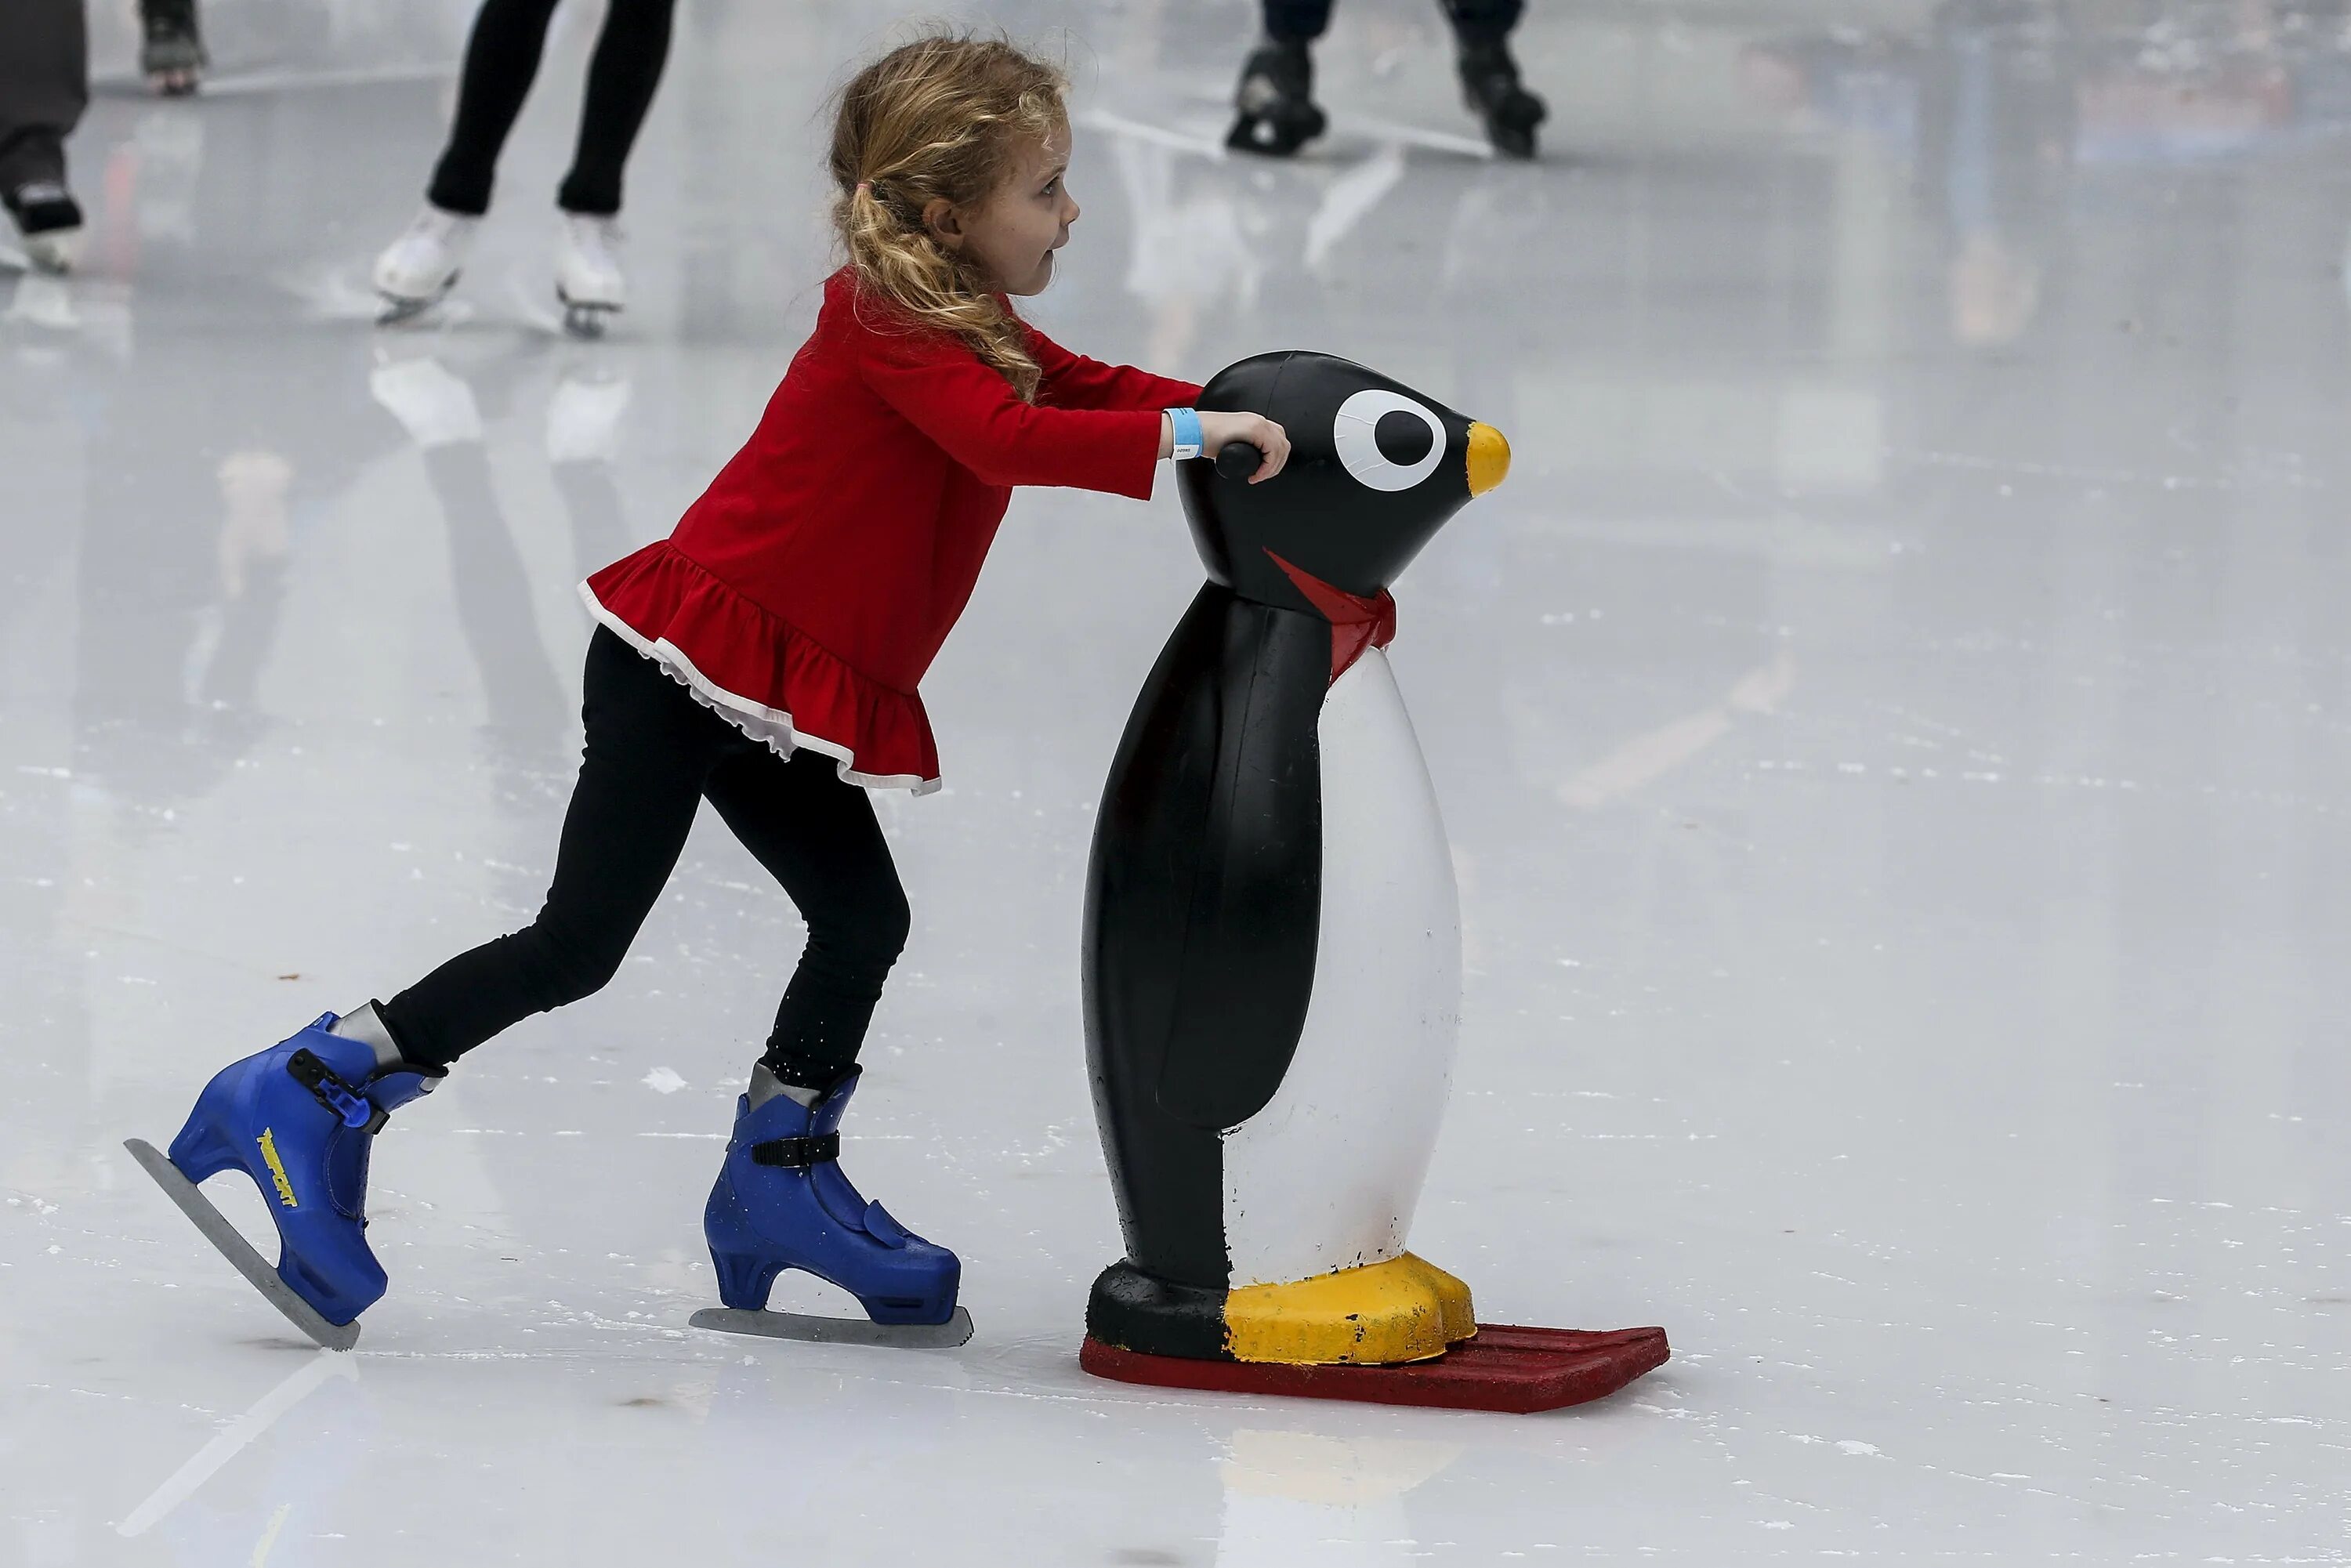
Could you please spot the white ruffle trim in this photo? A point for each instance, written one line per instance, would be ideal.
(772, 727)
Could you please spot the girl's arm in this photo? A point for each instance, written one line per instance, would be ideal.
(942, 389)
(1073, 380)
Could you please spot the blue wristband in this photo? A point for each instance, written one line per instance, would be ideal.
(1186, 424)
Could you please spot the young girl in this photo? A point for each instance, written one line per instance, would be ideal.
(765, 657)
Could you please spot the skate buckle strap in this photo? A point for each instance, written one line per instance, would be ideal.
(355, 1108)
(797, 1154)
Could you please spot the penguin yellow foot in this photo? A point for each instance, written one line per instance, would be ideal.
(1452, 1299)
(1381, 1314)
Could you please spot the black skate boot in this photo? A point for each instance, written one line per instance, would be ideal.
(1276, 101)
(172, 54)
(1489, 82)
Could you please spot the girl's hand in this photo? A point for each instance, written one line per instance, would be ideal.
(1218, 429)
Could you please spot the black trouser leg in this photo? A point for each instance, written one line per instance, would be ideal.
(649, 749)
(501, 60)
(182, 13)
(622, 77)
(652, 754)
(44, 87)
(1483, 21)
(1474, 21)
(1297, 20)
(817, 835)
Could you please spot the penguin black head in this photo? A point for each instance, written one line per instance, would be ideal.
(1374, 470)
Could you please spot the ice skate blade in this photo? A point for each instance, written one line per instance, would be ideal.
(956, 1331)
(1275, 136)
(237, 1249)
(395, 311)
(1514, 1371)
(395, 308)
(1512, 142)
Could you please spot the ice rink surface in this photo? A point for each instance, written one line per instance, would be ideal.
(1893, 727)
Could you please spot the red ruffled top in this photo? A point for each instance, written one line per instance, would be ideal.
(807, 592)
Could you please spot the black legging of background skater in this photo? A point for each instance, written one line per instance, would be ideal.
(1474, 21)
(652, 755)
(501, 60)
(44, 87)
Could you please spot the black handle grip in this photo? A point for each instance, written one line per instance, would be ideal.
(1237, 460)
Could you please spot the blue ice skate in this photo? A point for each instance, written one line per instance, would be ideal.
(782, 1202)
(299, 1119)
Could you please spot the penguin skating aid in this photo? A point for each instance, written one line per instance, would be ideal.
(1273, 948)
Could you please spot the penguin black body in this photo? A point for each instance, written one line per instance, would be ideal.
(1221, 977)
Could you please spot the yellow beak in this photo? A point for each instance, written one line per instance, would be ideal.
(1489, 458)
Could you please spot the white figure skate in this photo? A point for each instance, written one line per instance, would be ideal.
(588, 279)
(417, 270)
(48, 222)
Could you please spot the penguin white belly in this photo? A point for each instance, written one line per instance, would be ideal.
(1326, 1176)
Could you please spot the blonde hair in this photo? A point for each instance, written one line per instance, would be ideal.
(942, 117)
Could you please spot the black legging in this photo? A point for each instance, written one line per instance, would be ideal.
(44, 87)
(501, 58)
(1475, 21)
(653, 755)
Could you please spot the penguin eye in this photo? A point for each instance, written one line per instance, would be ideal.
(1385, 441)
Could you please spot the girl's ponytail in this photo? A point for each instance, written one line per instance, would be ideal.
(941, 118)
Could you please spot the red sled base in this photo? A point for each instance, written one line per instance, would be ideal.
(1516, 1370)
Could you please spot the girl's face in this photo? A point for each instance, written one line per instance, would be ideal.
(1015, 232)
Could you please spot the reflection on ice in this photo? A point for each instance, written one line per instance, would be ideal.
(237, 1435)
(1309, 1498)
